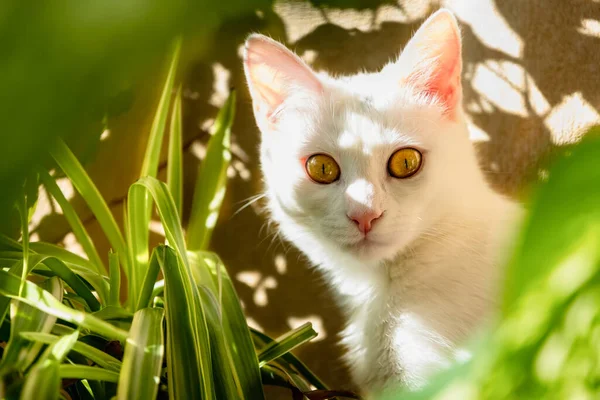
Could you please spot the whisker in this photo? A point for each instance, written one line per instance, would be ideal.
(249, 201)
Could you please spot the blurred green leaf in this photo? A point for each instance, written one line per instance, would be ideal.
(24, 213)
(66, 371)
(175, 161)
(5, 301)
(553, 233)
(115, 279)
(212, 179)
(20, 353)
(74, 64)
(93, 354)
(140, 373)
(32, 184)
(43, 381)
(113, 313)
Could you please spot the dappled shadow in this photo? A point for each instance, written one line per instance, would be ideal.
(554, 78)
(517, 100)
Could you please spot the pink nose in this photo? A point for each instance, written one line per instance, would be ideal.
(364, 220)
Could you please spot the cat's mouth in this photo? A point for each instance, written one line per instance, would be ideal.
(366, 243)
(372, 249)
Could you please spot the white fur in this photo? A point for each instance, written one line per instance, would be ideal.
(428, 276)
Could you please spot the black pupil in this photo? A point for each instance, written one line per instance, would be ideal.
(323, 168)
(406, 163)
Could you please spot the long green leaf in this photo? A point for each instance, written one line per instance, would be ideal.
(138, 202)
(175, 162)
(149, 280)
(65, 273)
(84, 185)
(20, 353)
(167, 212)
(188, 346)
(208, 268)
(185, 314)
(44, 301)
(71, 216)
(226, 381)
(286, 343)
(66, 371)
(23, 212)
(51, 265)
(15, 269)
(71, 279)
(99, 357)
(77, 264)
(63, 254)
(142, 361)
(158, 288)
(115, 279)
(43, 381)
(50, 249)
(289, 361)
(114, 313)
(212, 179)
(155, 139)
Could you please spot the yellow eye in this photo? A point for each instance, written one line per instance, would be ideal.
(322, 168)
(404, 163)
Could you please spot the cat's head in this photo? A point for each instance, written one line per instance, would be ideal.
(362, 165)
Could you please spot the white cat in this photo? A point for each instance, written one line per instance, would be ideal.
(374, 178)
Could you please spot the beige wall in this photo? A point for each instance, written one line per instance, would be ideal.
(531, 82)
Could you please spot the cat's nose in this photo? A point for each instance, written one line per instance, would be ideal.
(364, 220)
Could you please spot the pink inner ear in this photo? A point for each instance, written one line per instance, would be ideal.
(433, 60)
(274, 74)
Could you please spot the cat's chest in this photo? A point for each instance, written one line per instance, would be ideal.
(391, 341)
(410, 327)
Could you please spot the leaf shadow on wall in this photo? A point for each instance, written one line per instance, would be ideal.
(274, 281)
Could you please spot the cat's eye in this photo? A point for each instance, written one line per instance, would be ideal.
(322, 168)
(404, 163)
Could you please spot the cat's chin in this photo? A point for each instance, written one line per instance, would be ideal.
(373, 250)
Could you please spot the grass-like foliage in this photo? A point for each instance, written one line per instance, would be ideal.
(68, 332)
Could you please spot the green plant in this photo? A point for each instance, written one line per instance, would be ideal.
(79, 63)
(71, 335)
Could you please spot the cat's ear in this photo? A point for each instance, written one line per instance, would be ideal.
(276, 77)
(431, 62)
